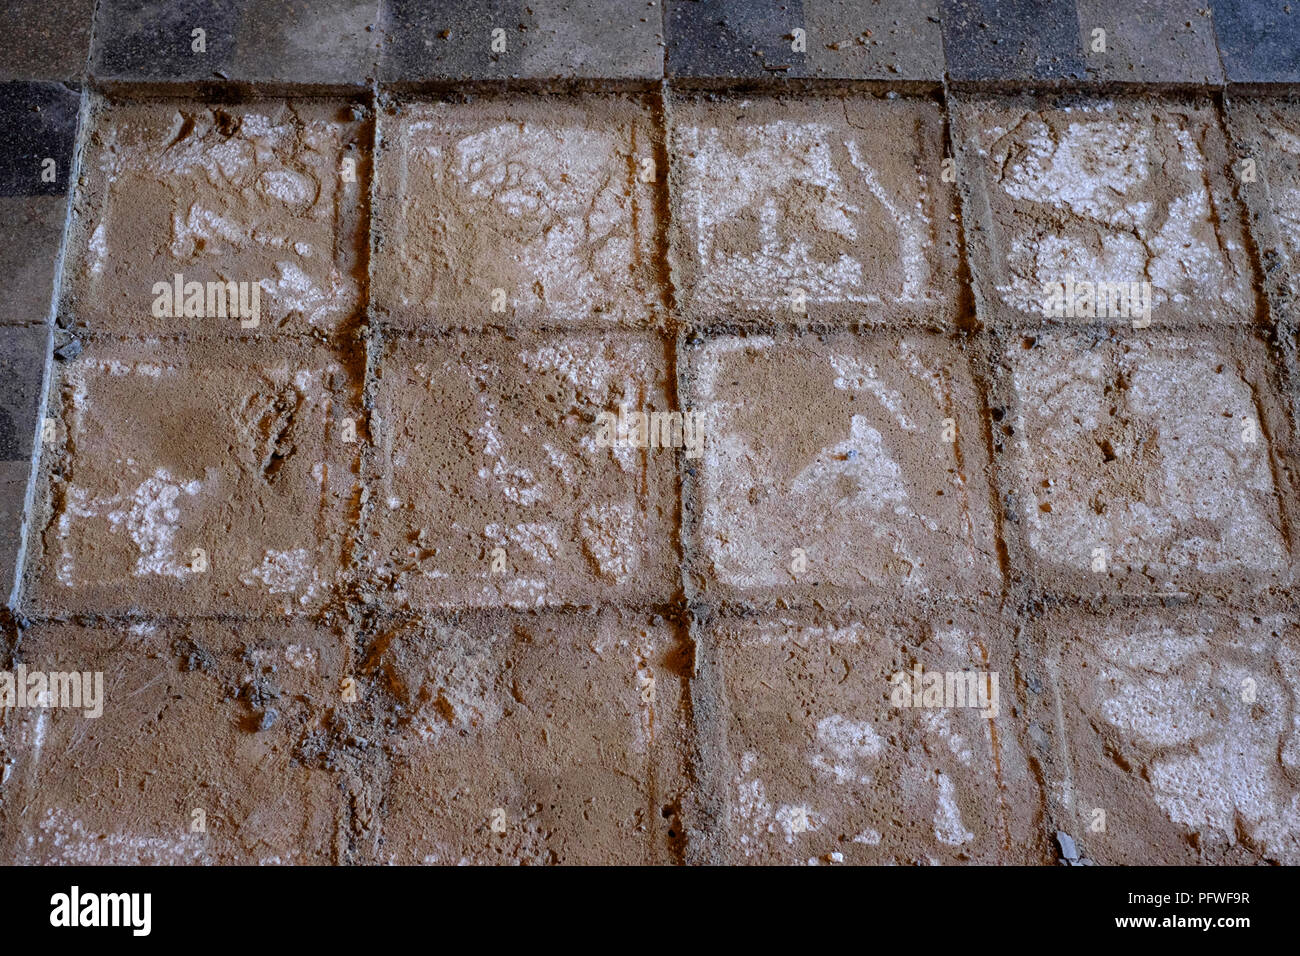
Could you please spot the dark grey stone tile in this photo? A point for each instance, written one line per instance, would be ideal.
(38, 124)
(22, 376)
(307, 42)
(736, 38)
(1013, 41)
(14, 478)
(1150, 41)
(843, 39)
(31, 233)
(45, 39)
(324, 42)
(1259, 39)
(884, 39)
(155, 39)
(543, 39)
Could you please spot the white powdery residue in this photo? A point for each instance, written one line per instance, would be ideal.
(528, 168)
(1204, 473)
(594, 367)
(285, 572)
(289, 187)
(766, 278)
(1155, 710)
(560, 462)
(1228, 784)
(851, 744)
(913, 226)
(1182, 258)
(298, 292)
(98, 250)
(948, 827)
(1097, 170)
(78, 503)
(1177, 690)
(785, 631)
(520, 593)
(222, 163)
(868, 837)
(794, 820)
(1091, 169)
(204, 225)
(779, 153)
(757, 816)
(539, 541)
(528, 493)
(151, 520)
(67, 841)
(518, 484)
(938, 722)
(1212, 503)
(645, 689)
(1285, 197)
(1034, 259)
(863, 460)
(723, 182)
(935, 374)
(853, 375)
(459, 692)
(557, 179)
(612, 538)
(38, 735)
(853, 486)
(300, 657)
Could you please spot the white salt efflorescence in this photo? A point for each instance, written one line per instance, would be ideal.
(1134, 201)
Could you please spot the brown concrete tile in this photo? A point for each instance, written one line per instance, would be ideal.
(500, 211)
(1102, 190)
(839, 445)
(1155, 454)
(1174, 734)
(489, 441)
(220, 718)
(255, 193)
(527, 740)
(1267, 131)
(826, 767)
(832, 205)
(237, 449)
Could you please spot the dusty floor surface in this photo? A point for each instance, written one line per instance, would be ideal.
(389, 569)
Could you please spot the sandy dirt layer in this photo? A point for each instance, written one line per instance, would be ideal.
(372, 581)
